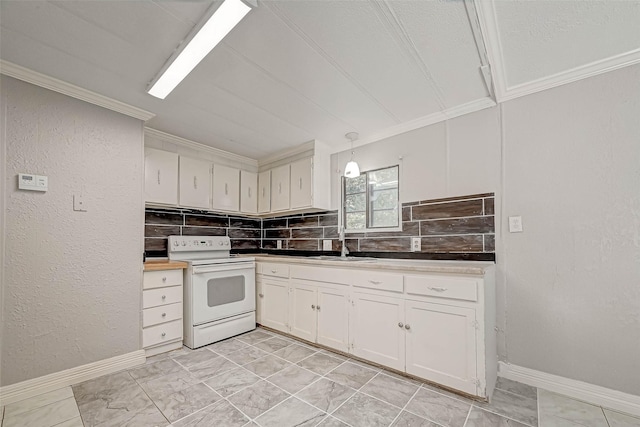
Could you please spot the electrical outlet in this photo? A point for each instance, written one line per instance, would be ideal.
(416, 244)
(278, 244)
(515, 224)
(78, 204)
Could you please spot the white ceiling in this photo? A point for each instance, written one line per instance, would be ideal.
(293, 71)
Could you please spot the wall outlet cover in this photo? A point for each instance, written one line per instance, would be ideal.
(416, 244)
(278, 244)
(515, 224)
(326, 245)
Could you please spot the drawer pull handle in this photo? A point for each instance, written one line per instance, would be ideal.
(164, 334)
(164, 314)
(313, 307)
(375, 282)
(164, 297)
(400, 324)
(164, 279)
(274, 271)
(318, 307)
(437, 289)
(407, 327)
(261, 295)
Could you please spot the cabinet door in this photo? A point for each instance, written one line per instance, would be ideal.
(259, 299)
(280, 188)
(441, 344)
(160, 177)
(264, 192)
(195, 183)
(275, 304)
(226, 188)
(333, 318)
(302, 183)
(248, 192)
(375, 330)
(302, 311)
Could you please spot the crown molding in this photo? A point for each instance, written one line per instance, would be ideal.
(569, 76)
(440, 116)
(21, 73)
(490, 30)
(286, 153)
(167, 137)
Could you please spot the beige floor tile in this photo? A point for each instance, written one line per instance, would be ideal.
(45, 416)
(617, 419)
(39, 401)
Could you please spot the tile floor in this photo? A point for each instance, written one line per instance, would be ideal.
(268, 380)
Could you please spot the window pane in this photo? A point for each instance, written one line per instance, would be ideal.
(385, 218)
(385, 199)
(356, 203)
(355, 220)
(384, 178)
(356, 185)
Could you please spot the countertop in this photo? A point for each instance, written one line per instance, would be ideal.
(473, 268)
(163, 264)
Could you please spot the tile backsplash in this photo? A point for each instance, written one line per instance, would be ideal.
(453, 225)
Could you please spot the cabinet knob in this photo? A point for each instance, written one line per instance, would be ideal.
(164, 279)
(313, 307)
(400, 324)
(261, 295)
(407, 327)
(164, 297)
(164, 314)
(318, 307)
(164, 334)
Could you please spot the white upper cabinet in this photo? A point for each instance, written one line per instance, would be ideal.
(302, 183)
(226, 189)
(264, 192)
(195, 183)
(160, 177)
(280, 200)
(248, 192)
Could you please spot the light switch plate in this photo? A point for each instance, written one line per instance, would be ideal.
(278, 244)
(515, 224)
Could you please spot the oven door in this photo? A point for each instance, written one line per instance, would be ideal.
(222, 290)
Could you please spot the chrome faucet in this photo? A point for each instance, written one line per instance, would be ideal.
(344, 251)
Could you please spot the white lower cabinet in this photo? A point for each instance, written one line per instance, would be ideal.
(275, 303)
(375, 329)
(319, 314)
(259, 299)
(439, 327)
(162, 311)
(441, 344)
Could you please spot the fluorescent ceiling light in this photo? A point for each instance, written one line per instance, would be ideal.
(216, 27)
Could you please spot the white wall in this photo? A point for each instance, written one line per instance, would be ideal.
(568, 161)
(572, 157)
(71, 279)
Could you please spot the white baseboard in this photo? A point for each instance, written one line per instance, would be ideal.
(579, 390)
(33, 387)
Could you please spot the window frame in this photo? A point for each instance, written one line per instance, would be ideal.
(369, 204)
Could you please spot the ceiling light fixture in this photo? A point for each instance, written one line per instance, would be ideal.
(217, 23)
(352, 170)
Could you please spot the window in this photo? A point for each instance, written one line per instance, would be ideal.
(371, 201)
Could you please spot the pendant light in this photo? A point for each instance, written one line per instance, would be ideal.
(352, 170)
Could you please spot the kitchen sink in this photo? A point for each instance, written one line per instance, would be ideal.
(344, 259)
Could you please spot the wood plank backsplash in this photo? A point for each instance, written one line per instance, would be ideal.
(453, 225)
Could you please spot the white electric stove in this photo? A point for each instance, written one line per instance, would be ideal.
(219, 289)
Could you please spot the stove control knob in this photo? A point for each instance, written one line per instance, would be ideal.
(175, 243)
(226, 243)
(184, 243)
(220, 243)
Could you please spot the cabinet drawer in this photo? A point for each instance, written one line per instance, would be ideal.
(376, 280)
(160, 278)
(273, 269)
(321, 274)
(164, 313)
(162, 296)
(443, 287)
(162, 333)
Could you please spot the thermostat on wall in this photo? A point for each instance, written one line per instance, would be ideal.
(27, 181)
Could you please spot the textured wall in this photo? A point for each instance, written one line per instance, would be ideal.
(72, 279)
(572, 158)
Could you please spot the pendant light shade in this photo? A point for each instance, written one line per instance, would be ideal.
(352, 170)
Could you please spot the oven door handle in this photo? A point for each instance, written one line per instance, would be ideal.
(221, 268)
